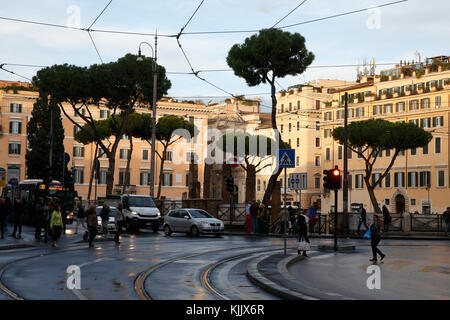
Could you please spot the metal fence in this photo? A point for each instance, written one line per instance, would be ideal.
(238, 217)
(165, 206)
(427, 223)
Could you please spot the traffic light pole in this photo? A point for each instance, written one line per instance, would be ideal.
(285, 210)
(335, 219)
(345, 177)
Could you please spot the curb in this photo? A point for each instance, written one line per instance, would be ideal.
(16, 246)
(258, 279)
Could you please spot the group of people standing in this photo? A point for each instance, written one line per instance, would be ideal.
(258, 217)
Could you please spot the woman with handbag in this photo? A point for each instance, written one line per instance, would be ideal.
(302, 230)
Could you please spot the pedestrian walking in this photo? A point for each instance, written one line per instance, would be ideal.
(56, 224)
(120, 222)
(248, 217)
(4, 213)
(312, 215)
(301, 227)
(362, 218)
(104, 214)
(263, 225)
(80, 217)
(254, 216)
(39, 212)
(18, 216)
(446, 217)
(387, 219)
(375, 238)
(91, 215)
(291, 221)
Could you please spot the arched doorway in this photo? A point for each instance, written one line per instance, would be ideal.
(400, 203)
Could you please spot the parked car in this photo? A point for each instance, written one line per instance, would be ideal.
(140, 211)
(193, 222)
(111, 222)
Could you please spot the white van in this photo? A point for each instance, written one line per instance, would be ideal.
(140, 211)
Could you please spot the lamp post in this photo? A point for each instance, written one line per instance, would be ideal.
(153, 147)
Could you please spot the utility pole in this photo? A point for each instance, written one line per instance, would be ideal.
(345, 182)
(153, 151)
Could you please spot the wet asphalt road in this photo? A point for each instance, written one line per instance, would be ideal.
(183, 268)
(109, 271)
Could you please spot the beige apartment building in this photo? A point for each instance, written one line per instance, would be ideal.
(418, 93)
(299, 122)
(16, 107)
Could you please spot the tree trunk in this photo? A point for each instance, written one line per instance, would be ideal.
(127, 170)
(373, 199)
(161, 173)
(92, 172)
(250, 183)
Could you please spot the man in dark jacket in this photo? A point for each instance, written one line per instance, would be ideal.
(386, 218)
(18, 214)
(446, 217)
(4, 212)
(375, 237)
(39, 212)
(254, 208)
(362, 218)
(104, 214)
(91, 224)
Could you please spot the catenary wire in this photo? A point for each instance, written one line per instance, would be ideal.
(290, 12)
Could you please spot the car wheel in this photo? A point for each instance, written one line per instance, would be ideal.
(155, 228)
(167, 230)
(194, 231)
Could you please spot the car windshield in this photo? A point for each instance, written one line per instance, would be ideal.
(199, 214)
(112, 211)
(141, 202)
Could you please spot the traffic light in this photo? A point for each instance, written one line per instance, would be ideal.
(332, 178)
(229, 183)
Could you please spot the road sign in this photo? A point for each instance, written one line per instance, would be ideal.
(234, 163)
(286, 158)
(294, 178)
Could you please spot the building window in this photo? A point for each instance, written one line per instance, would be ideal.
(425, 178)
(327, 154)
(360, 112)
(425, 149)
(317, 125)
(437, 101)
(102, 153)
(351, 113)
(15, 108)
(78, 175)
(102, 178)
(415, 121)
(388, 108)
(124, 154)
(400, 107)
(282, 108)
(298, 142)
(327, 116)
(414, 151)
(358, 181)
(80, 112)
(298, 105)
(281, 128)
(339, 152)
(413, 105)
(399, 179)
(168, 155)
(14, 148)
(340, 114)
(122, 177)
(145, 155)
(289, 142)
(15, 127)
(438, 121)
(377, 109)
(290, 127)
(327, 133)
(375, 178)
(387, 180)
(425, 103)
(317, 104)
(78, 151)
(189, 156)
(441, 178)
(258, 185)
(290, 106)
(317, 182)
(298, 125)
(388, 152)
(76, 129)
(317, 161)
(360, 152)
(437, 145)
(297, 161)
(104, 114)
(144, 179)
(413, 202)
(317, 142)
(412, 179)
(425, 123)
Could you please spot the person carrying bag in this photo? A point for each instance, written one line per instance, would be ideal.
(302, 230)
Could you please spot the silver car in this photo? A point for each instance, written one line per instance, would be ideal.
(193, 222)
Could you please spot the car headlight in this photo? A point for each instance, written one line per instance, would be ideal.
(158, 214)
(205, 224)
(134, 213)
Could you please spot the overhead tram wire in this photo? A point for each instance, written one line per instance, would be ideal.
(14, 73)
(100, 14)
(279, 21)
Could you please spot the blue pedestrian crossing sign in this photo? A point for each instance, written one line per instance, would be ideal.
(286, 158)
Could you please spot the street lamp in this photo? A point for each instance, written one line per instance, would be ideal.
(155, 79)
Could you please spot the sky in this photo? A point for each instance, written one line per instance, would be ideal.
(388, 34)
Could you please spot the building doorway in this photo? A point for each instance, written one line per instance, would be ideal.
(400, 203)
